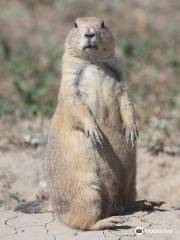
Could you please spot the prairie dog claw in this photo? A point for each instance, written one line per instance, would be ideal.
(95, 136)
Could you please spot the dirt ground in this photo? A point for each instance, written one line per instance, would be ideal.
(22, 161)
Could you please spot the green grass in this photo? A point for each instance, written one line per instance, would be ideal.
(137, 50)
(7, 107)
(34, 77)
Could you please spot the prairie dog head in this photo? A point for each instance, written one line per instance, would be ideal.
(90, 39)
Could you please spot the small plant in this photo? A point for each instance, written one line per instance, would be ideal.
(17, 196)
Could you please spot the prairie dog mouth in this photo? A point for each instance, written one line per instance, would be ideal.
(90, 46)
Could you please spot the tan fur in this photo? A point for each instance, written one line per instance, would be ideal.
(91, 163)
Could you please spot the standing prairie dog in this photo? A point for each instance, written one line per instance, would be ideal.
(91, 147)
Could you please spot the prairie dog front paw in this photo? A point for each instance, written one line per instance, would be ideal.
(94, 134)
(131, 134)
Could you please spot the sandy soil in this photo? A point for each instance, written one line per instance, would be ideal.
(158, 177)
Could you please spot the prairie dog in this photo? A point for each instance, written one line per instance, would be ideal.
(92, 137)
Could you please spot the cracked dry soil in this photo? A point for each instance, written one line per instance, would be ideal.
(159, 224)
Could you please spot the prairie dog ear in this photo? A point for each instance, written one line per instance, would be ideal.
(75, 24)
(102, 24)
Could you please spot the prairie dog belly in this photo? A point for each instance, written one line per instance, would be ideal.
(99, 92)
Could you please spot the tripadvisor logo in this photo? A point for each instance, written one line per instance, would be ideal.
(139, 231)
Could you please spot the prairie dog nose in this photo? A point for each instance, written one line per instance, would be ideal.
(89, 33)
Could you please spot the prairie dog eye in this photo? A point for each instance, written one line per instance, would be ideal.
(75, 25)
(102, 24)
